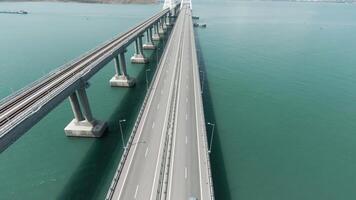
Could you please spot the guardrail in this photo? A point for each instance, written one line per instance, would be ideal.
(211, 187)
(204, 132)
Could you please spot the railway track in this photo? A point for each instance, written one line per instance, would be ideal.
(12, 108)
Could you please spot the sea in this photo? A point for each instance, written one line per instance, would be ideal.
(279, 83)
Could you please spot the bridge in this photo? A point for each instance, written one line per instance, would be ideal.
(166, 156)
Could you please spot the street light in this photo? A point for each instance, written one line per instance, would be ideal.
(212, 135)
(122, 134)
(202, 83)
(147, 70)
(157, 54)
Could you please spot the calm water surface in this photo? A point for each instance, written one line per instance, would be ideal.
(280, 83)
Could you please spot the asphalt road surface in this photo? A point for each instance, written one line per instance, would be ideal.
(176, 87)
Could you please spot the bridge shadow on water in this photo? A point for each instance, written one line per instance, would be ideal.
(94, 174)
(221, 184)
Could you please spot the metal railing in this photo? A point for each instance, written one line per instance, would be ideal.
(203, 127)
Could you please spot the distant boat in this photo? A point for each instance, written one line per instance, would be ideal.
(21, 12)
(199, 25)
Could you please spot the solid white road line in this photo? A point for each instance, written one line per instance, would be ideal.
(186, 139)
(185, 173)
(146, 152)
(136, 192)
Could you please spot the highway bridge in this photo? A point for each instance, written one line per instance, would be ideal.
(166, 156)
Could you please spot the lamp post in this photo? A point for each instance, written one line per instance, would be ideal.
(147, 70)
(202, 83)
(157, 54)
(122, 134)
(212, 135)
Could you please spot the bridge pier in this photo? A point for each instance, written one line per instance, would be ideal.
(168, 20)
(139, 57)
(83, 125)
(164, 23)
(149, 45)
(155, 36)
(160, 27)
(121, 78)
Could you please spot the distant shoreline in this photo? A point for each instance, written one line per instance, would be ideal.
(158, 1)
(91, 1)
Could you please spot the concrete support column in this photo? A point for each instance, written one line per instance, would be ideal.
(123, 64)
(140, 44)
(117, 66)
(121, 79)
(160, 27)
(85, 103)
(168, 19)
(151, 36)
(73, 99)
(148, 37)
(139, 57)
(85, 126)
(149, 44)
(136, 47)
(164, 23)
(155, 36)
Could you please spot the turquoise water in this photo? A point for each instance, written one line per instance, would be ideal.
(279, 84)
(282, 80)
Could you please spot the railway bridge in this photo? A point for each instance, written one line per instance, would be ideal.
(24, 108)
